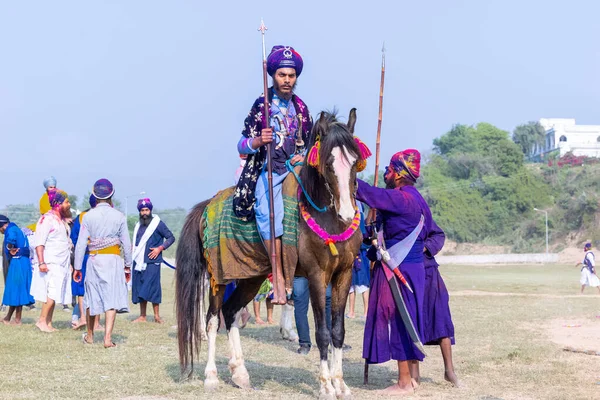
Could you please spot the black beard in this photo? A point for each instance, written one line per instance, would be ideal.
(145, 219)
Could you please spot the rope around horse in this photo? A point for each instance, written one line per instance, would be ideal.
(290, 168)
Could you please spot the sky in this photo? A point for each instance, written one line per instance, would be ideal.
(153, 94)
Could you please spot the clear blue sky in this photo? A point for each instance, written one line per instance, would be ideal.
(153, 94)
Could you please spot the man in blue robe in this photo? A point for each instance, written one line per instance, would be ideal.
(15, 249)
(150, 238)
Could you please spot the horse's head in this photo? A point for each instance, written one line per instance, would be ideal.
(334, 155)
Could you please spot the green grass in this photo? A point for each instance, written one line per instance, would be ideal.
(502, 350)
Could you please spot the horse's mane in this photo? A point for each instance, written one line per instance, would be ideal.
(331, 133)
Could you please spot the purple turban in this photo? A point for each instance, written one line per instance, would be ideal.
(103, 189)
(4, 220)
(284, 57)
(93, 201)
(587, 246)
(144, 203)
(56, 197)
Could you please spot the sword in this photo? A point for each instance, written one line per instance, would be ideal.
(401, 305)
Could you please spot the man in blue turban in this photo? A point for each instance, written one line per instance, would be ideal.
(151, 237)
(288, 130)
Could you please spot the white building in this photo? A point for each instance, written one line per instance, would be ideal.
(563, 135)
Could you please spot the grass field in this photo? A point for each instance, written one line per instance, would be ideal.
(503, 316)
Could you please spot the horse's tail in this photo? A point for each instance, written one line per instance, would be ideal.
(189, 287)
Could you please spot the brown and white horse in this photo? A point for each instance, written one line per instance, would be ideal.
(330, 183)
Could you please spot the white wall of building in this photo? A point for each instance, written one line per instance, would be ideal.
(565, 135)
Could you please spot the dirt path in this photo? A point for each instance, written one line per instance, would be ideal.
(508, 294)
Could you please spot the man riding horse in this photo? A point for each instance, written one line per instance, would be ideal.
(288, 130)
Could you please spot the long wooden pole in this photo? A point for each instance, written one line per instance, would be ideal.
(372, 214)
(266, 125)
(379, 120)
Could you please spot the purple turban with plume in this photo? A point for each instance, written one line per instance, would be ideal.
(144, 203)
(284, 57)
(93, 201)
(103, 189)
(407, 164)
(56, 197)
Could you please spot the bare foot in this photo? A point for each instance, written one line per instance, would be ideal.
(158, 320)
(452, 378)
(86, 340)
(397, 390)
(52, 329)
(244, 318)
(6, 322)
(16, 323)
(109, 345)
(79, 324)
(270, 321)
(99, 328)
(43, 327)
(141, 318)
(259, 321)
(351, 315)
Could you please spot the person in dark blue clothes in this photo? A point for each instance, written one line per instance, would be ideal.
(15, 249)
(150, 238)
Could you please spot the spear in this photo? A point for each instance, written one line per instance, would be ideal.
(272, 250)
(373, 213)
(380, 117)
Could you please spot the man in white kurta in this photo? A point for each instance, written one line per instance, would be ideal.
(588, 270)
(105, 279)
(51, 281)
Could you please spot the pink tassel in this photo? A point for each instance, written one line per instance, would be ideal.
(364, 150)
(313, 155)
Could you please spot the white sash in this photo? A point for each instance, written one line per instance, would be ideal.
(138, 251)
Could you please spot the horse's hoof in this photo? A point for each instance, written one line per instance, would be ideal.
(342, 391)
(211, 384)
(327, 392)
(241, 381)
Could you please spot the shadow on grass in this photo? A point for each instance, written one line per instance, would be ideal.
(268, 334)
(298, 380)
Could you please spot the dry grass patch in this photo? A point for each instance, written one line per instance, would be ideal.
(503, 350)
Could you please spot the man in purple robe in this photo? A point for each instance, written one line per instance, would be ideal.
(288, 130)
(438, 328)
(399, 207)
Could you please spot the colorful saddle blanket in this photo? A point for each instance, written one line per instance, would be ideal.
(233, 248)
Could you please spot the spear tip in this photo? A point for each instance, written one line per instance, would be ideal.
(262, 28)
(383, 47)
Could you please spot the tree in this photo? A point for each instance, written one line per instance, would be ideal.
(460, 139)
(528, 135)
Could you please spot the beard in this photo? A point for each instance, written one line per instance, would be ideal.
(145, 219)
(65, 213)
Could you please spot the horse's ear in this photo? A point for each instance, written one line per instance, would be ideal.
(321, 123)
(352, 120)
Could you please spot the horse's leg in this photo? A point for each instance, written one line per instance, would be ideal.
(244, 292)
(322, 334)
(286, 327)
(206, 283)
(340, 286)
(211, 380)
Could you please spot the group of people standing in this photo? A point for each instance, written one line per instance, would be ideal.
(89, 257)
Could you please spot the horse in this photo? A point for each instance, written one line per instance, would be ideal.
(329, 180)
